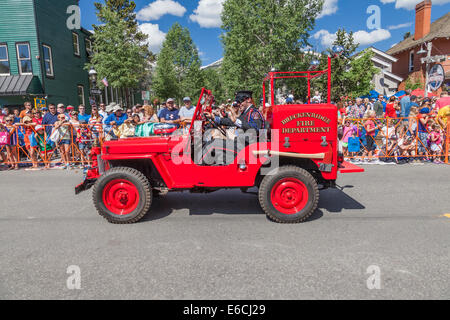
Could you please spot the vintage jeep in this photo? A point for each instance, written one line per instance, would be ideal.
(299, 155)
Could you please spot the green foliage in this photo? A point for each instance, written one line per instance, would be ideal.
(413, 83)
(213, 81)
(351, 75)
(264, 34)
(178, 71)
(119, 54)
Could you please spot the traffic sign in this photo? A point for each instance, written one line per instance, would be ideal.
(96, 92)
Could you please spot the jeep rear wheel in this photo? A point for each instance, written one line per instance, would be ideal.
(122, 195)
(289, 196)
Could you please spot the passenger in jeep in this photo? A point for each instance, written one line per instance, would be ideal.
(249, 120)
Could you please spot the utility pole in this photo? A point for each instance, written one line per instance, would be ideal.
(429, 60)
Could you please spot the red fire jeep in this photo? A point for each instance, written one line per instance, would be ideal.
(300, 154)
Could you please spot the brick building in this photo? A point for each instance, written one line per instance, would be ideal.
(410, 51)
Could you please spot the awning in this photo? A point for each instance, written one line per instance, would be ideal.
(18, 85)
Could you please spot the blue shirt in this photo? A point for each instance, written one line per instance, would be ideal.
(170, 115)
(119, 120)
(406, 106)
(84, 117)
(49, 119)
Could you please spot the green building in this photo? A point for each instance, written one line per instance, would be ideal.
(40, 57)
(43, 56)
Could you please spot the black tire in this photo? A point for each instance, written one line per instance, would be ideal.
(270, 181)
(139, 181)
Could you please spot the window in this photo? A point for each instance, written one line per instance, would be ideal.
(4, 60)
(76, 44)
(24, 58)
(88, 46)
(411, 61)
(48, 60)
(81, 95)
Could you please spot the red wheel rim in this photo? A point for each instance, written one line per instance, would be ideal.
(121, 197)
(289, 195)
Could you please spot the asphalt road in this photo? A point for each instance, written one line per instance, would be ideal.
(221, 246)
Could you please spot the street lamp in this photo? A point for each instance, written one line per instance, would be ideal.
(94, 90)
(93, 77)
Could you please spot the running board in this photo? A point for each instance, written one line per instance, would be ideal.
(289, 154)
(347, 167)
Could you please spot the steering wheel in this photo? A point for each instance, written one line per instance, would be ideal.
(215, 125)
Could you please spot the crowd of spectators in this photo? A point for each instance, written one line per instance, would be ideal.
(410, 129)
(65, 135)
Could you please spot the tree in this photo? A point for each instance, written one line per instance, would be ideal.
(119, 52)
(350, 74)
(213, 81)
(126, 12)
(264, 34)
(178, 62)
(117, 57)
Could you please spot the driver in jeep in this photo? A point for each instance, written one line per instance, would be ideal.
(250, 122)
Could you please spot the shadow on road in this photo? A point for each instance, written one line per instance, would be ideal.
(234, 202)
(336, 200)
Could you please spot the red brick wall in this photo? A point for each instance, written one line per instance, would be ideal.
(401, 67)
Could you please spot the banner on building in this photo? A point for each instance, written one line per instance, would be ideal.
(436, 77)
(39, 103)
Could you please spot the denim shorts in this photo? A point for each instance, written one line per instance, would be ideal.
(84, 145)
(65, 141)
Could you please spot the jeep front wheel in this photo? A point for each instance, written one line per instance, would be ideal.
(122, 195)
(289, 196)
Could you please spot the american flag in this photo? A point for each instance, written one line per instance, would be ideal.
(105, 82)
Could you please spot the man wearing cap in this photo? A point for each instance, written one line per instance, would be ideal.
(170, 114)
(117, 118)
(114, 120)
(187, 111)
(108, 111)
(250, 117)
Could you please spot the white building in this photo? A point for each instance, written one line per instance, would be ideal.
(385, 81)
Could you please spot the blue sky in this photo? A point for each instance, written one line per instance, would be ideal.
(202, 17)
